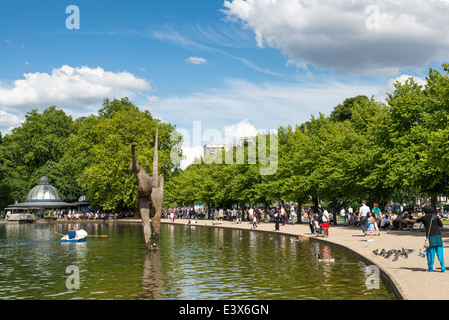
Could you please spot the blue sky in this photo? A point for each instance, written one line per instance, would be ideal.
(242, 64)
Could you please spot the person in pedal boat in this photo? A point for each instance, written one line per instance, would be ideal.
(72, 233)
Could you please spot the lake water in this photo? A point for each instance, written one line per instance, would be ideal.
(194, 263)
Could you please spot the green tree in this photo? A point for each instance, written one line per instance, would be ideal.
(32, 150)
(343, 111)
(407, 141)
(102, 152)
(41, 138)
(436, 128)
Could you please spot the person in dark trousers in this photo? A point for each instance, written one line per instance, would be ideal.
(277, 219)
(311, 222)
(254, 222)
(433, 232)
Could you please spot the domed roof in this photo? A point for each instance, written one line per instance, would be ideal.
(43, 192)
(83, 198)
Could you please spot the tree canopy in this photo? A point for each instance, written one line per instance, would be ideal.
(395, 150)
(378, 151)
(88, 156)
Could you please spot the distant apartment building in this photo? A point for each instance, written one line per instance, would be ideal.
(211, 150)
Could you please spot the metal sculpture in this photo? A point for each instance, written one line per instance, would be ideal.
(150, 196)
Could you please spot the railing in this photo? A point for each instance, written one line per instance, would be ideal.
(21, 216)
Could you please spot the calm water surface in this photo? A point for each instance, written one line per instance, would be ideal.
(193, 263)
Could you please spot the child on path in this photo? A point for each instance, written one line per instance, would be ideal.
(325, 227)
(371, 226)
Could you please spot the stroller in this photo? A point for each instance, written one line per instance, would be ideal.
(318, 228)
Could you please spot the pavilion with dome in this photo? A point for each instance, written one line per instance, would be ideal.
(41, 198)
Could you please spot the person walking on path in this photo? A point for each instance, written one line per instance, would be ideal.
(363, 214)
(254, 222)
(234, 216)
(293, 213)
(433, 225)
(283, 215)
(250, 214)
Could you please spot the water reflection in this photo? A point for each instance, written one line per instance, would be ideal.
(152, 278)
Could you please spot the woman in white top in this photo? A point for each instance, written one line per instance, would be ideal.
(325, 217)
(325, 224)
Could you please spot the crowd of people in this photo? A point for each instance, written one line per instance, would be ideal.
(279, 215)
(254, 214)
(91, 215)
(371, 221)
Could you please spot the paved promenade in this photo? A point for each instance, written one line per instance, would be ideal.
(409, 276)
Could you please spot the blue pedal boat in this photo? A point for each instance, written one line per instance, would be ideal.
(81, 236)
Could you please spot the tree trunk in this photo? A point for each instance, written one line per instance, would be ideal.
(433, 201)
(266, 208)
(315, 208)
(299, 212)
(334, 210)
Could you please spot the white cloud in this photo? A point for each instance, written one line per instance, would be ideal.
(190, 154)
(240, 130)
(8, 121)
(390, 88)
(152, 98)
(297, 64)
(177, 37)
(333, 35)
(265, 106)
(403, 78)
(196, 60)
(70, 88)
